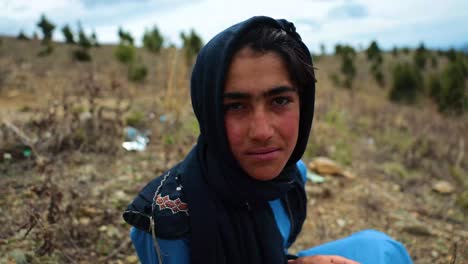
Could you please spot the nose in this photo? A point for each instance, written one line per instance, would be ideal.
(261, 126)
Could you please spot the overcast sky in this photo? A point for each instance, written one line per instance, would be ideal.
(438, 23)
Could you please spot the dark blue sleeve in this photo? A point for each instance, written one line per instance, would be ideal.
(172, 251)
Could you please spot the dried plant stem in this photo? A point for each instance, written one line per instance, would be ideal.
(170, 83)
(454, 253)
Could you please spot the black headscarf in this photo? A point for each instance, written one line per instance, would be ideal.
(230, 218)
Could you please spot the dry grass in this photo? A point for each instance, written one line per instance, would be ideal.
(67, 207)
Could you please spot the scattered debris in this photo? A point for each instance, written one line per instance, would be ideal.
(162, 118)
(341, 222)
(315, 178)
(137, 140)
(7, 156)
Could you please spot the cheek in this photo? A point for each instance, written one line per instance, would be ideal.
(234, 132)
(289, 127)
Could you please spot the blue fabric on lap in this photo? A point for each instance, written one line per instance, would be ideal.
(365, 247)
(143, 243)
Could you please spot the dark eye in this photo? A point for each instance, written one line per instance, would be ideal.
(233, 107)
(281, 101)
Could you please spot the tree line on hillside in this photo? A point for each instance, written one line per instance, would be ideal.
(125, 52)
(412, 79)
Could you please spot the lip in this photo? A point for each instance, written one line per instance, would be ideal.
(264, 154)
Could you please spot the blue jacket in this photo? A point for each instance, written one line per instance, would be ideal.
(367, 247)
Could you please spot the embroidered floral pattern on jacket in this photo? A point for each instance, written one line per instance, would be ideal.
(165, 202)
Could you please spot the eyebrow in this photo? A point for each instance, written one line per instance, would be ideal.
(271, 92)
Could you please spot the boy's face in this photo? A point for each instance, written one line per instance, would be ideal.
(261, 113)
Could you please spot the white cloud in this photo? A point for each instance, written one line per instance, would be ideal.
(358, 21)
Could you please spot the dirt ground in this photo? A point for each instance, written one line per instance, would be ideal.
(65, 182)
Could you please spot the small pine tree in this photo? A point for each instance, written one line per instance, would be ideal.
(153, 40)
(338, 49)
(407, 83)
(68, 34)
(373, 51)
(395, 51)
(125, 37)
(192, 45)
(83, 40)
(323, 49)
(137, 72)
(94, 40)
(22, 36)
(347, 54)
(125, 53)
(452, 97)
(420, 56)
(374, 55)
(84, 43)
(47, 29)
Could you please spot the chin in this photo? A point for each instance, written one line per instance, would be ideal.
(264, 174)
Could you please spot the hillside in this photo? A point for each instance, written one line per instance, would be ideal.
(66, 179)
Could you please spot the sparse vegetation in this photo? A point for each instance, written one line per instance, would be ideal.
(153, 40)
(374, 55)
(47, 29)
(347, 55)
(94, 40)
(22, 36)
(420, 56)
(407, 84)
(449, 89)
(62, 164)
(125, 37)
(137, 72)
(192, 44)
(125, 53)
(68, 35)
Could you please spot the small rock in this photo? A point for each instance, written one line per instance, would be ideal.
(396, 188)
(341, 222)
(88, 211)
(434, 254)
(325, 166)
(112, 231)
(121, 196)
(7, 156)
(320, 210)
(131, 259)
(443, 187)
(84, 221)
(418, 230)
(85, 116)
(349, 175)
